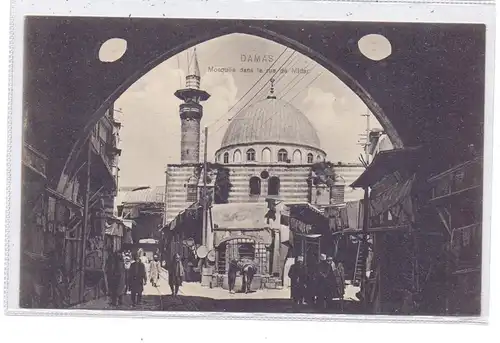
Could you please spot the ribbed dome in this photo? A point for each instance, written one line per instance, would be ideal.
(272, 121)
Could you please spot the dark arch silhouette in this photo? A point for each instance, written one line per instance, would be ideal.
(416, 97)
(254, 30)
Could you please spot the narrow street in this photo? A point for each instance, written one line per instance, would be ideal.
(194, 297)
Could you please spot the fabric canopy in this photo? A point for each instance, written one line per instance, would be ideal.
(391, 197)
(191, 212)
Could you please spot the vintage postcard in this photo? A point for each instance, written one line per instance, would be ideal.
(253, 166)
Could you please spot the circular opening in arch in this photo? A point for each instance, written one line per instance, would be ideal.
(375, 47)
(112, 50)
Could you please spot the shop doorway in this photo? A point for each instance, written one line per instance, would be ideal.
(308, 246)
(242, 248)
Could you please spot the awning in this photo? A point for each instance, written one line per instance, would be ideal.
(379, 229)
(303, 218)
(240, 216)
(386, 162)
(182, 217)
(397, 194)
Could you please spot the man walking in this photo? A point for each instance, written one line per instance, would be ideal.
(231, 275)
(175, 274)
(298, 278)
(154, 271)
(137, 281)
(324, 282)
(127, 261)
(115, 273)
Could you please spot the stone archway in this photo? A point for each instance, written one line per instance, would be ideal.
(419, 99)
(255, 31)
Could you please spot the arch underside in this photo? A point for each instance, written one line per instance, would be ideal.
(429, 91)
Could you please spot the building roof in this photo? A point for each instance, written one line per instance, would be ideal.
(145, 195)
(271, 121)
(386, 162)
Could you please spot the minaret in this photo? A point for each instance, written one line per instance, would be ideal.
(191, 112)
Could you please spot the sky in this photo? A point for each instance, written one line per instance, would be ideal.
(149, 111)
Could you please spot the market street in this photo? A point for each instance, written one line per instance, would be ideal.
(194, 297)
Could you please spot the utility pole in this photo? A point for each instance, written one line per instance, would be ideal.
(85, 219)
(366, 215)
(366, 136)
(204, 192)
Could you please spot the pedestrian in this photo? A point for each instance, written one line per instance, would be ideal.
(340, 276)
(298, 278)
(137, 280)
(115, 273)
(248, 270)
(145, 261)
(324, 284)
(312, 282)
(154, 271)
(231, 275)
(127, 261)
(175, 274)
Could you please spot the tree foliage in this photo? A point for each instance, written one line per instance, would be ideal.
(322, 173)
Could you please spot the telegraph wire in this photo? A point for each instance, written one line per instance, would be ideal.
(295, 77)
(253, 86)
(258, 92)
(317, 76)
(299, 81)
(284, 74)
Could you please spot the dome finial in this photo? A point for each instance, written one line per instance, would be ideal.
(271, 91)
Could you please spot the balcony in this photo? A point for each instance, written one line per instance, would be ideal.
(101, 148)
(458, 180)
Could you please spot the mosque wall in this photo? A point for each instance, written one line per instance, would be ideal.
(292, 181)
(268, 153)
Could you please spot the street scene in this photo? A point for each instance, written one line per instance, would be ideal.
(226, 167)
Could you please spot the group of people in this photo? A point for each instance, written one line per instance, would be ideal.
(318, 283)
(126, 273)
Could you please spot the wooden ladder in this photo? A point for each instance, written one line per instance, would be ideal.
(358, 268)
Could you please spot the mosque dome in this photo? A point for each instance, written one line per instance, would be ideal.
(271, 121)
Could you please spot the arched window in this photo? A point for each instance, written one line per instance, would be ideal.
(273, 186)
(310, 158)
(237, 156)
(282, 155)
(254, 185)
(318, 158)
(266, 155)
(226, 157)
(297, 157)
(250, 155)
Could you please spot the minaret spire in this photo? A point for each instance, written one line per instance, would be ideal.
(193, 77)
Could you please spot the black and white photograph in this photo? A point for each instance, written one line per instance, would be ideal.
(252, 166)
